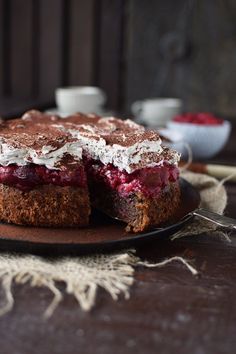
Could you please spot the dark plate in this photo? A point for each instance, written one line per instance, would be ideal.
(104, 233)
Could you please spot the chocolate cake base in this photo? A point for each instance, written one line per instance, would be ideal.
(46, 205)
(138, 211)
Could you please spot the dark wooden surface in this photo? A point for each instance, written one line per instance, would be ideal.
(169, 310)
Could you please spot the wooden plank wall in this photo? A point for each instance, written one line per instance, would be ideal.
(109, 64)
(45, 44)
(4, 47)
(21, 59)
(205, 77)
(81, 38)
(1, 46)
(118, 45)
(50, 47)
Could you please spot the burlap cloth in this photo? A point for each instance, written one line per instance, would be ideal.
(113, 272)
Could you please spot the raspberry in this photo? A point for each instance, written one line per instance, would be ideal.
(200, 118)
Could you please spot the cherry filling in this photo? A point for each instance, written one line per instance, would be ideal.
(28, 177)
(150, 180)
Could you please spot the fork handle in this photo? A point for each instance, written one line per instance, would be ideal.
(215, 218)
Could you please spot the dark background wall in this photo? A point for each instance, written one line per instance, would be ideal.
(132, 48)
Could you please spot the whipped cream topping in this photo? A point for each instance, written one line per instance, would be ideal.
(45, 140)
(123, 157)
(47, 156)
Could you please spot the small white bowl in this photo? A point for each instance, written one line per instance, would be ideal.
(205, 140)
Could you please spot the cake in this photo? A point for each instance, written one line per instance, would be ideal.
(42, 176)
(52, 170)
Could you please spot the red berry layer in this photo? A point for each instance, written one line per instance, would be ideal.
(149, 181)
(28, 177)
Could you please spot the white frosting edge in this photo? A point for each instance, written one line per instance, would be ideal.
(123, 157)
(47, 156)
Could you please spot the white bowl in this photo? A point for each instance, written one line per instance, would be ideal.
(205, 140)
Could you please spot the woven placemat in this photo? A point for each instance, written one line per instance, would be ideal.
(113, 272)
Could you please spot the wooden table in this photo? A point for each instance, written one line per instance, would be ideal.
(169, 311)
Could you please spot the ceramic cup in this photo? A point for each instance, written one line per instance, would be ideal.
(156, 112)
(85, 99)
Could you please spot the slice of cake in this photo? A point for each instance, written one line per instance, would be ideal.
(46, 161)
(42, 177)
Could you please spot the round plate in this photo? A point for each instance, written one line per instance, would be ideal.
(103, 234)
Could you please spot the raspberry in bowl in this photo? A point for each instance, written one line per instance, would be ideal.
(204, 132)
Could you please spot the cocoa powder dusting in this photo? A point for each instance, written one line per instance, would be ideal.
(36, 130)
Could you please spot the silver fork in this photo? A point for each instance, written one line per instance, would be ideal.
(217, 219)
